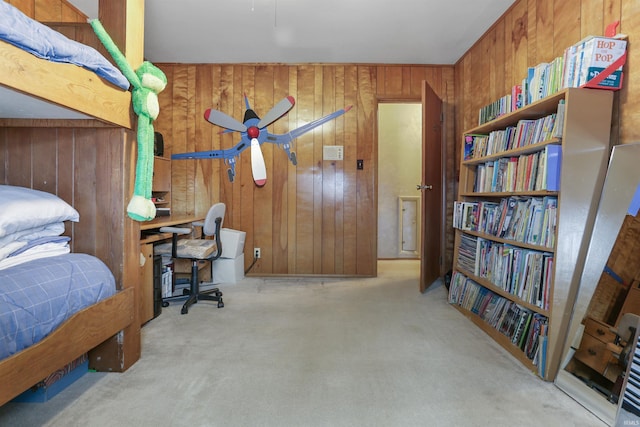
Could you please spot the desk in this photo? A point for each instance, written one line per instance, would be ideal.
(149, 234)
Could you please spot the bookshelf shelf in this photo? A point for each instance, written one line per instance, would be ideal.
(493, 288)
(534, 110)
(513, 152)
(517, 254)
(510, 242)
(499, 194)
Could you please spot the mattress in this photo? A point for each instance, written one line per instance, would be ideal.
(46, 43)
(39, 295)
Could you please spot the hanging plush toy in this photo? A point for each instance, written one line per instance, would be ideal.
(147, 81)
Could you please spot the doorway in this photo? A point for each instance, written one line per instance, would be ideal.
(399, 170)
(430, 184)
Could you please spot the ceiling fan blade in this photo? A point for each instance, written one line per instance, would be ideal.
(279, 110)
(258, 168)
(219, 118)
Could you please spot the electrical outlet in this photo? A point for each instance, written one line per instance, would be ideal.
(256, 252)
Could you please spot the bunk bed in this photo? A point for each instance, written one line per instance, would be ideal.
(56, 76)
(48, 111)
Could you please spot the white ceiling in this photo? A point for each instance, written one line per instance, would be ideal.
(318, 31)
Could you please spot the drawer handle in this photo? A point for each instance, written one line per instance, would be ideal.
(600, 331)
(592, 352)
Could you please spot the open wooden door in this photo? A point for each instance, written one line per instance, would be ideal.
(431, 188)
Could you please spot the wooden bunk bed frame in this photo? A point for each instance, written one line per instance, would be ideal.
(65, 85)
(82, 332)
(89, 162)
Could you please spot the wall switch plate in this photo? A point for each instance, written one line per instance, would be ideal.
(360, 164)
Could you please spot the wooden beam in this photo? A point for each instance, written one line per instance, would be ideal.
(124, 21)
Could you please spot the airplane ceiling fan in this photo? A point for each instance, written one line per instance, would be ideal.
(254, 133)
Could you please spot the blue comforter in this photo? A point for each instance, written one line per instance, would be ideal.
(37, 296)
(21, 31)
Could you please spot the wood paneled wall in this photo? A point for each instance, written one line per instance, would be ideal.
(49, 10)
(89, 169)
(535, 31)
(321, 216)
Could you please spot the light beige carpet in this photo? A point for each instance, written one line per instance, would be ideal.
(313, 352)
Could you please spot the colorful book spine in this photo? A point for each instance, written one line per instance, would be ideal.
(554, 165)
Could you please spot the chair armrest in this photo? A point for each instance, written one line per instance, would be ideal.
(198, 223)
(176, 230)
(614, 349)
(174, 238)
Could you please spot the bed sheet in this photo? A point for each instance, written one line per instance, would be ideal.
(30, 35)
(39, 295)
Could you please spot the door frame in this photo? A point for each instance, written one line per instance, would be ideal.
(387, 100)
(383, 99)
(380, 99)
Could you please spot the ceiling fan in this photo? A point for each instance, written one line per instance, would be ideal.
(254, 133)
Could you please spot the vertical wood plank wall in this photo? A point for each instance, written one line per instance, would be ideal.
(318, 217)
(535, 31)
(49, 11)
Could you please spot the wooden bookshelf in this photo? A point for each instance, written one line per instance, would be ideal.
(585, 151)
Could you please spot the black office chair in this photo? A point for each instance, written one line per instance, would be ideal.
(198, 250)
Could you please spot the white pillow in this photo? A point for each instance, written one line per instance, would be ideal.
(23, 208)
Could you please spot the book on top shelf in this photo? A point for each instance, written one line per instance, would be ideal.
(600, 53)
(558, 126)
(591, 56)
(516, 97)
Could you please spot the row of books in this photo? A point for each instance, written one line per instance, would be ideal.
(530, 220)
(529, 172)
(496, 109)
(524, 273)
(591, 56)
(543, 80)
(524, 133)
(467, 253)
(579, 64)
(522, 326)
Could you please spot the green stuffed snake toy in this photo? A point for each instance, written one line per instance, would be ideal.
(147, 81)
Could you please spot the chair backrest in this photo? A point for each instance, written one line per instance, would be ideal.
(628, 326)
(216, 211)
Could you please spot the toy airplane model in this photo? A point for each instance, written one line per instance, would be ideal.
(253, 133)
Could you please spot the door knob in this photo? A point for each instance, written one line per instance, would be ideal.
(424, 187)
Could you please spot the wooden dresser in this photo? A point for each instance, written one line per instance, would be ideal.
(593, 350)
